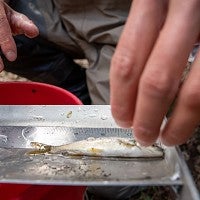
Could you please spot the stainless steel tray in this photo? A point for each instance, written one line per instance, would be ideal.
(15, 163)
(56, 125)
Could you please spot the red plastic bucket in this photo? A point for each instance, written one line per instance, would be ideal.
(32, 93)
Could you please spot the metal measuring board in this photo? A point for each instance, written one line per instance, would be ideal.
(57, 125)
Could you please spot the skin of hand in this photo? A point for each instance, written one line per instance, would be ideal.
(13, 23)
(146, 70)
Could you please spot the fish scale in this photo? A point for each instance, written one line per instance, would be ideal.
(53, 125)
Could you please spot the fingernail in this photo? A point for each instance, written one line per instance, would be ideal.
(11, 55)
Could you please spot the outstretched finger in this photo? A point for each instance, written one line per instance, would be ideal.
(20, 24)
(136, 42)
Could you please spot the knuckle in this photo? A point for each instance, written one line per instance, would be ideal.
(5, 41)
(159, 86)
(3, 19)
(124, 66)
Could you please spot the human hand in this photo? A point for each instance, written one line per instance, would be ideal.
(13, 23)
(146, 70)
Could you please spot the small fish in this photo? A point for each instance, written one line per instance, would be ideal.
(102, 147)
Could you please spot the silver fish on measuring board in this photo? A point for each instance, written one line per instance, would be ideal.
(117, 147)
